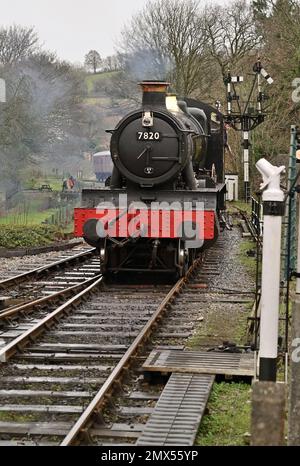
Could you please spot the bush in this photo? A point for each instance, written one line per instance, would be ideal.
(22, 236)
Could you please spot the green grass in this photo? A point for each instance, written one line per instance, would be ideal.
(31, 217)
(247, 261)
(228, 417)
(92, 78)
(54, 182)
(234, 205)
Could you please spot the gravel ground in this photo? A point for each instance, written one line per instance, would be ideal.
(15, 265)
(227, 303)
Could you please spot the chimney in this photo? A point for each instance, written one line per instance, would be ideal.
(154, 93)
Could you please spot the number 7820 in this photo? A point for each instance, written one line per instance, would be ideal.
(148, 135)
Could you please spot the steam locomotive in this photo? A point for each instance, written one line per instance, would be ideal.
(167, 190)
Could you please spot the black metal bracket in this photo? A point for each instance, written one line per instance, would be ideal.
(273, 208)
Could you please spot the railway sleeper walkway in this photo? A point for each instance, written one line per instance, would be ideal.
(181, 406)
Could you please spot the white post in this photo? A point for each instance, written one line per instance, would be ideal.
(273, 206)
(246, 164)
(2, 91)
(229, 97)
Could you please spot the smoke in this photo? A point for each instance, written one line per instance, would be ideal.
(42, 115)
(148, 64)
(52, 90)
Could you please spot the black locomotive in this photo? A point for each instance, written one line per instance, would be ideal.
(167, 187)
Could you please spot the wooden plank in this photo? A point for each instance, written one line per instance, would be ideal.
(117, 327)
(25, 443)
(46, 393)
(135, 410)
(67, 356)
(95, 334)
(111, 433)
(163, 334)
(61, 367)
(200, 362)
(58, 380)
(41, 408)
(143, 396)
(35, 428)
(79, 346)
(98, 319)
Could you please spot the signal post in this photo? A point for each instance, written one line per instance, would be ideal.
(268, 396)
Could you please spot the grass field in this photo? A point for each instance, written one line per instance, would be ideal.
(229, 416)
(32, 217)
(91, 79)
(54, 182)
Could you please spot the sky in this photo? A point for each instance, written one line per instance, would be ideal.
(73, 27)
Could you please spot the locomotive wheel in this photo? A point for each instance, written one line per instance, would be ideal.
(183, 259)
(103, 259)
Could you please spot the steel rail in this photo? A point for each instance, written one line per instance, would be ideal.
(31, 305)
(39, 271)
(46, 323)
(95, 406)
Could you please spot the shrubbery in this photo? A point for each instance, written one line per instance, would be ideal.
(19, 236)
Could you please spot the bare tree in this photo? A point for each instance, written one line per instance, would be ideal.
(279, 20)
(93, 60)
(42, 115)
(167, 40)
(231, 33)
(111, 63)
(16, 42)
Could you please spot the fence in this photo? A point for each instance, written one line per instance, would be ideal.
(63, 216)
(256, 216)
(28, 214)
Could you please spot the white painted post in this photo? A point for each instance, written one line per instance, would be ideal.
(2, 91)
(273, 206)
(246, 146)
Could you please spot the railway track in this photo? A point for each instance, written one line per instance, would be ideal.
(67, 270)
(118, 413)
(53, 370)
(32, 295)
(75, 377)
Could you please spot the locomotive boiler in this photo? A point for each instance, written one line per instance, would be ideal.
(166, 190)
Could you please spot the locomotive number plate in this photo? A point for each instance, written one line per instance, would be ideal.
(148, 136)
